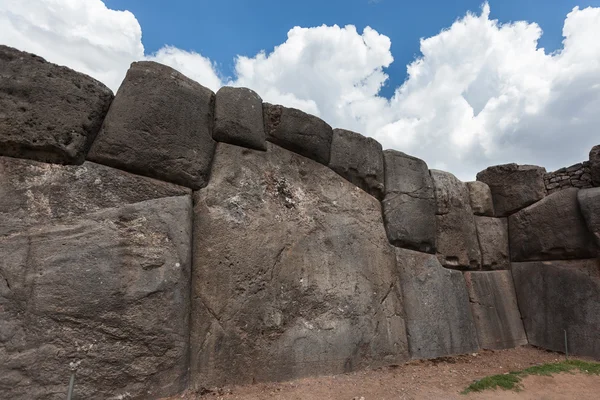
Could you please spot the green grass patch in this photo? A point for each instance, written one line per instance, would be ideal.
(512, 380)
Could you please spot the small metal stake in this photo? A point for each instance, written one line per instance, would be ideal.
(71, 384)
(566, 346)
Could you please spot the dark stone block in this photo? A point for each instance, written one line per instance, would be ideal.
(359, 159)
(47, 112)
(159, 125)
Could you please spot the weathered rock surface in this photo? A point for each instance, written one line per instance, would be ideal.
(239, 118)
(551, 229)
(514, 186)
(47, 112)
(495, 309)
(481, 198)
(555, 296)
(33, 193)
(492, 234)
(456, 236)
(159, 125)
(409, 203)
(438, 317)
(359, 159)
(105, 295)
(298, 131)
(292, 274)
(595, 165)
(589, 204)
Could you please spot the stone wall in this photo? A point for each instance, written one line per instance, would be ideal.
(577, 176)
(169, 237)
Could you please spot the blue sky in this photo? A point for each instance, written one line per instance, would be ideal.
(223, 29)
(479, 90)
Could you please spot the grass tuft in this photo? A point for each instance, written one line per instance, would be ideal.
(512, 380)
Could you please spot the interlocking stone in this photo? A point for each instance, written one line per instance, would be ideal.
(551, 229)
(513, 186)
(481, 198)
(492, 234)
(104, 295)
(456, 235)
(298, 131)
(314, 293)
(47, 112)
(359, 159)
(438, 317)
(159, 125)
(409, 202)
(239, 118)
(495, 309)
(559, 296)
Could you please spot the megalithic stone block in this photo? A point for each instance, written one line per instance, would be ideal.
(298, 131)
(239, 118)
(359, 159)
(589, 204)
(495, 310)
(514, 186)
(492, 234)
(316, 292)
(159, 125)
(104, 294)
(481, 198)
(409, 202)
(559, 296)
(551, 229)
(47, 112)
(438, 317)
(456, 235)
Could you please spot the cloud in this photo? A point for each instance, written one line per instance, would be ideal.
(481, 92)
(191, 64)
(84, 35)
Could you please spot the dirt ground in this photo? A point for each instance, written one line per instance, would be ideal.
(433, 379)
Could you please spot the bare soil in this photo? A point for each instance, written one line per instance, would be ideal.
(443, 378)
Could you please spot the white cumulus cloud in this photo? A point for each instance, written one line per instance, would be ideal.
(480, 93)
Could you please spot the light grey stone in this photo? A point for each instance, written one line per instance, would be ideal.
(456, 235)
(492, 234)
(495, 310)
(551, 229)
(438, 316)
(292, 267)
(481, 198)
(555, 296)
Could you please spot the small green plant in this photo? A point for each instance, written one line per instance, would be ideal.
(512, 380)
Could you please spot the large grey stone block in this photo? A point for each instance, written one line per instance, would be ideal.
(589, 204)
(551, 229)
(514, 186)
(47, 112)
(359, 159)
(456, 235)
(298, 131)
(104, 295)
(34, 193)
(159, 125)
(239, 118)
(315, 292)
(409, 202)
(438, 316)
(595, 165)
(481, 198)
(492, 234)
(555, 296)
(495, 309)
